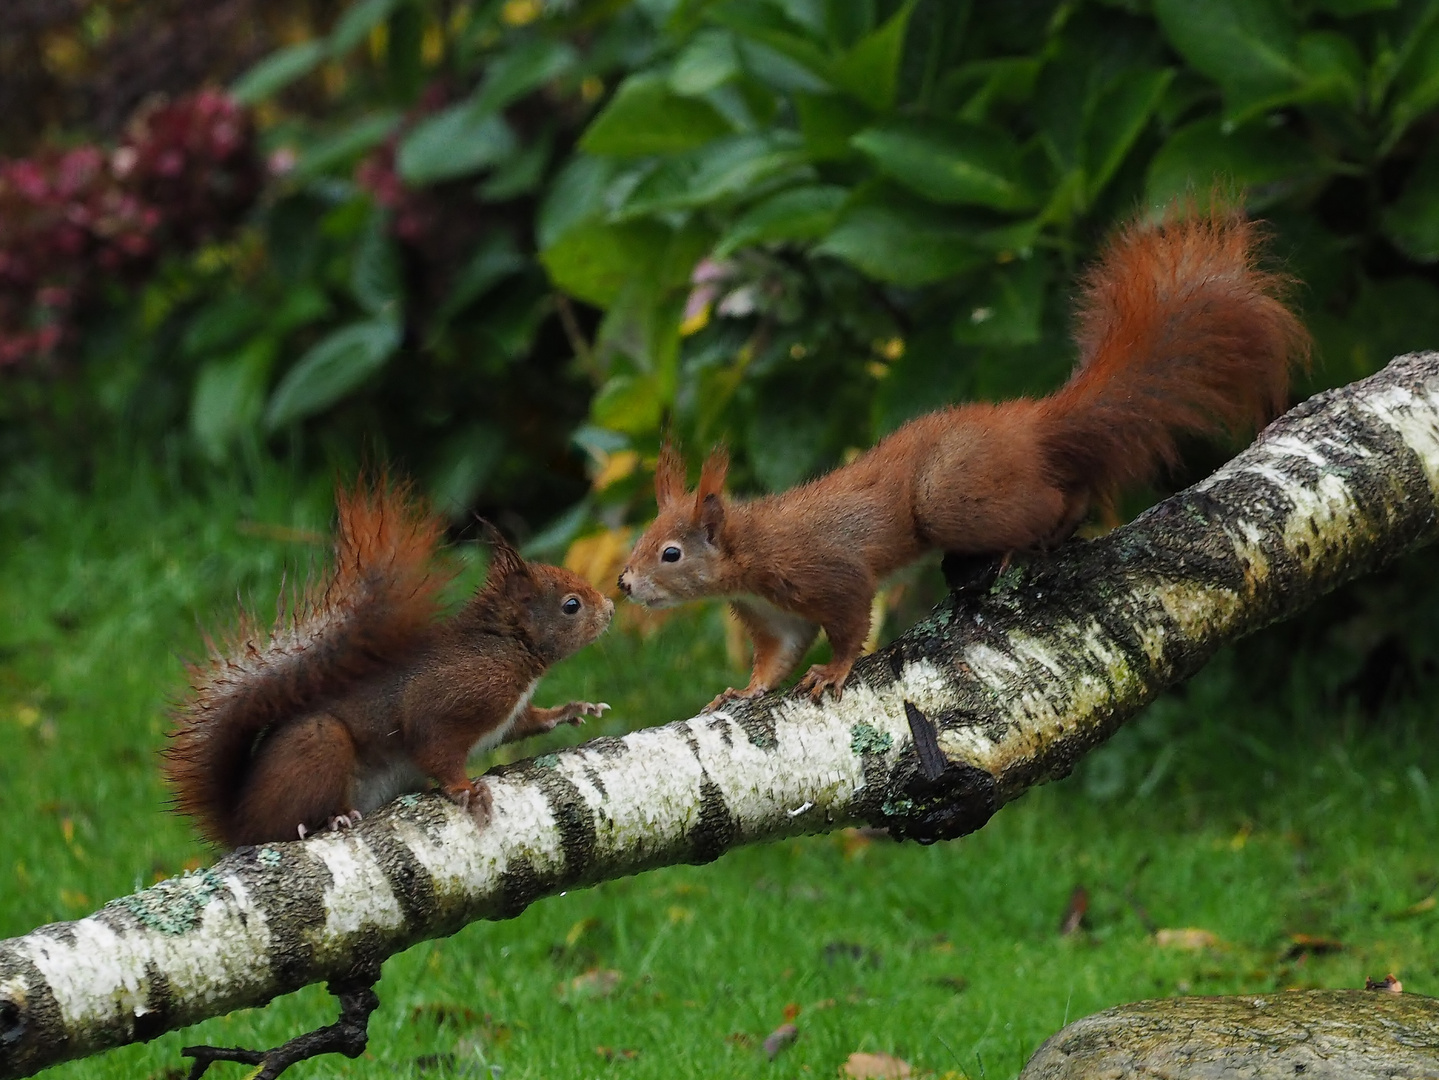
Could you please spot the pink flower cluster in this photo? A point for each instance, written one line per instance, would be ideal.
(71, 218)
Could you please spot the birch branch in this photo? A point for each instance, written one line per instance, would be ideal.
(986, 698)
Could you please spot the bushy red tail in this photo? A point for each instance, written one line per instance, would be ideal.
(1178, 331)
(376, 606)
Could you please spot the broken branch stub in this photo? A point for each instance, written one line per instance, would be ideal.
(989, 696)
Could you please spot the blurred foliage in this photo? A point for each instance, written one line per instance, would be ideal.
(507, 243)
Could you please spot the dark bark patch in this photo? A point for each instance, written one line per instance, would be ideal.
(32, 1032)
(573, 818)
(715, 831)
(293, 905)
(159, 1005)
(409, 881)
(915, 807)
(520, 886)
(757, 722)
(607, 746)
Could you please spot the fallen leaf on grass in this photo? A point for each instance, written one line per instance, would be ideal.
(1309, 944)
(779, 1040)
(742, 1039)
(610, 1053)
(791, 1010)
(1191, 938)
(1429, 903)
(862, 1066)
(1389, 984)
(958, 983)
(597, 982)
(1075, 911)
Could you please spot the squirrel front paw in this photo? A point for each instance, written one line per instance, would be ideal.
(474, 797)
(576, 711)
(824, 677)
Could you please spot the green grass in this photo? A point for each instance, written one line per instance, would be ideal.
(1254, 824)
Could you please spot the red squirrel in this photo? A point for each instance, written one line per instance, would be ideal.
(368, 690)
(1178, 331)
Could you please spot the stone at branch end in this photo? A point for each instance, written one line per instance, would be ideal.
(1308, 1034)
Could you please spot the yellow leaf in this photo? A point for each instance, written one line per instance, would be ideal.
(520, 12)
(580, 929)
(615, 467)
(862, 1066)
(1191, 938)
(599, 557)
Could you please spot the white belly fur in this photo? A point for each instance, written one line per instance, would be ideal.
(490, 739)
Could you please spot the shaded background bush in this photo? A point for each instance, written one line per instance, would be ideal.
(506, 244)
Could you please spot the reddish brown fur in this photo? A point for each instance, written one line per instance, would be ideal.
(1178, 332)
(367, 690)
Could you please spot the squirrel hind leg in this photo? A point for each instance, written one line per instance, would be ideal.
(301, 775)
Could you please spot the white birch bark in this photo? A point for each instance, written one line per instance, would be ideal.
(987, 697)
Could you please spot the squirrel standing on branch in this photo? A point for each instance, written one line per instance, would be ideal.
(1178, 331)
(366, 692)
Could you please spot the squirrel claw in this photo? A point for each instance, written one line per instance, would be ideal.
(474, 799)
(749, 693)
(824, 677)
(345, 821)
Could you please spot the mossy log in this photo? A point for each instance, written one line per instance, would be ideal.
(1304, 1034)
(992, 694)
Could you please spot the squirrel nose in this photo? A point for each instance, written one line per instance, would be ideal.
(624, 585)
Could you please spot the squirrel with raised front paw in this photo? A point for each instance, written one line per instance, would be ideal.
(369, 690)
(1179, 332)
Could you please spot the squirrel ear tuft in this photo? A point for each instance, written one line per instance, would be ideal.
(505, 561)
(712, 478)
(669, 475)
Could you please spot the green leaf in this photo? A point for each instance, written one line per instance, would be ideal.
(870, 70)
(464, 462)
(1415, 88)
(1333, 68)
(496, 259)
(1118, 118)
(708, 61)
(375, 272)
(1412, 221)
(277, 71)
(455, 142)
(1249, 47)
(220, 324)
(809, 66)
(344, 146)
(646, 117)
(333, 367)
(829, 123)
(355, 24)
(804, 213)
(1007, 310)
(628, 403)
(902, 246)
(577, 194)
(520, 175)
(950, 163)
(229, 397)
(722, 168)
(1264, 160)
(514, 74)
(593, 262)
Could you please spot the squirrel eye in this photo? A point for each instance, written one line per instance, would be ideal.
(670, 554)
(570, 606)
